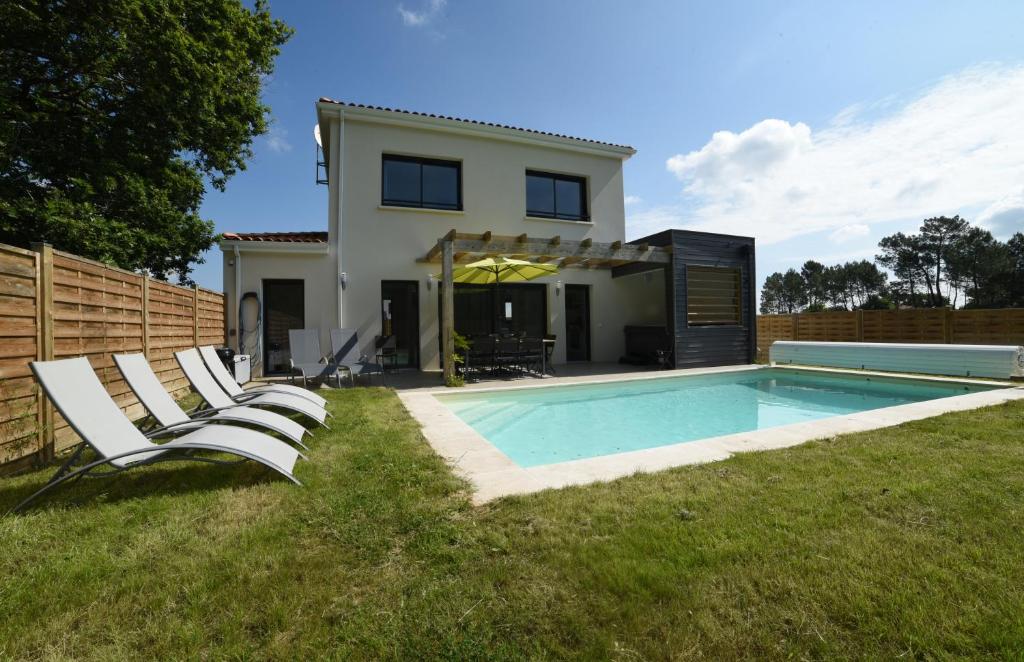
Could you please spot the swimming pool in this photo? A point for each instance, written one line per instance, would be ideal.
(541, 426)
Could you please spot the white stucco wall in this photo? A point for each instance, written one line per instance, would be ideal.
(378, 243)
(317, 272)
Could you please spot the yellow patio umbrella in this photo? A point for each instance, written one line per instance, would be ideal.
(499, 270)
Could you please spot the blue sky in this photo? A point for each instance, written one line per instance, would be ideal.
(817, 127)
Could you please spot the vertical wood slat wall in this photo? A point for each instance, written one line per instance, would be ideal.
(55, 305)
(1002, 326)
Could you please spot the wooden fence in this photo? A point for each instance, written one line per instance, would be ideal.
(1002, 326)
(55, 305)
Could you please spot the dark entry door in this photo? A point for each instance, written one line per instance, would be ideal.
(283, 309)
(577, 323)
(400, 320)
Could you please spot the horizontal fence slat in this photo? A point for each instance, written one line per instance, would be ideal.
(1000, 326)
(97, 311)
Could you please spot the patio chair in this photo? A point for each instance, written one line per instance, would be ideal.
(506, 355)
(481, 354)
(228, 383)
(76, 392)
(387, 350)
(346, 356)
(549, 352)
(169, 415)
(210, 391)
(531, 354)
(307, 359)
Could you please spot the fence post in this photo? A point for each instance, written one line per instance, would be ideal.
(947, 326)
(860, 326)
(44, 347)
(145, 316)
(796, 326)
(195, 316)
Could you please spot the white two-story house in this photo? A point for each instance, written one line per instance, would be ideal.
(400, 184)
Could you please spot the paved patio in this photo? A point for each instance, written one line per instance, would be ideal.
(566, 373)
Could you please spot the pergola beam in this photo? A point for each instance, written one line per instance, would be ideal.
(548, 249)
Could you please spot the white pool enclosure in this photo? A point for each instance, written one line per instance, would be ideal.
(997, 361)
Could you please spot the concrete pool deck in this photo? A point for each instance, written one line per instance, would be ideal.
(494, 475)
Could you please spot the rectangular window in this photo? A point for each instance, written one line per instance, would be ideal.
(712, 296)
(556, 196)
(409, 181)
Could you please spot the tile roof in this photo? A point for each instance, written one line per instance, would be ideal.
(281, 237)
(468, 121)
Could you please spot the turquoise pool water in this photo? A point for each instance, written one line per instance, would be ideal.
(538, 426)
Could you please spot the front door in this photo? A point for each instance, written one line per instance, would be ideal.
(283, 309)
(400, 323)
(577, 322)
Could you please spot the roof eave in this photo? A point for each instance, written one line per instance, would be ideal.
(243, 246)
(465, 127)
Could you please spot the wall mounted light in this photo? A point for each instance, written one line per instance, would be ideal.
(430, 282)
(343, 279)
(558, 287)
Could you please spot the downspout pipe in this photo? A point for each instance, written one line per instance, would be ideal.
(238, 299)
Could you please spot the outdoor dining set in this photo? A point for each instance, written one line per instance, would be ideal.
(496, 354)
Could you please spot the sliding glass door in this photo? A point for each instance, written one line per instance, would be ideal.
(400, 322)
(511, 309)
(283, 309)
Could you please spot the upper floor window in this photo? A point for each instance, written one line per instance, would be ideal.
(410, 181)
(556, 196)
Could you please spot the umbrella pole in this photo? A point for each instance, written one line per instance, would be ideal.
(497, 295)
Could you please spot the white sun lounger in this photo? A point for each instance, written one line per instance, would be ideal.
(346, 356)
(228, 383)
(306, 357)
(162, 407)
(210, 391)
(78, 395)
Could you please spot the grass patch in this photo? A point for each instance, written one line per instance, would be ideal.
(905, 541)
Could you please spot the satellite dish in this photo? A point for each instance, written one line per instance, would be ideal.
(316, 135)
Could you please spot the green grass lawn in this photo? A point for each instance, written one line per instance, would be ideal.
(904, 542)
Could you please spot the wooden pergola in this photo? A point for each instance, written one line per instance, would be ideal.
(462, 248)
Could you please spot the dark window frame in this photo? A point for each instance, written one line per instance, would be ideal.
(584, 216)
(421, 161)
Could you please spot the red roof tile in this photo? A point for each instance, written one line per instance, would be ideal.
(283, 237)
(467, 121)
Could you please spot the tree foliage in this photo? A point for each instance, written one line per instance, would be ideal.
(816, 287)
(948, 262)
(115, 113)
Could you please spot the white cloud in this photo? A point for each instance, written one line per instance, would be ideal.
(957, 146)
(655, 219)
(423, 17)
(848, 232)
(730, 160)
(277, 140)
(632, 200)
(1004, 216)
